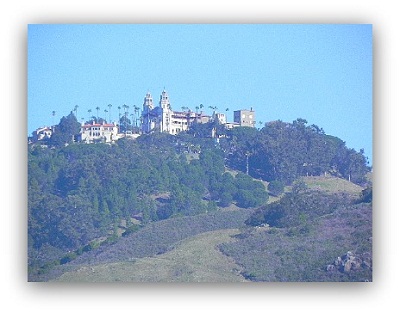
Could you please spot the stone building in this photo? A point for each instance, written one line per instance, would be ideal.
(163, 119)
(160, 118)
(42, 133)
(103, 132)
(244, 117)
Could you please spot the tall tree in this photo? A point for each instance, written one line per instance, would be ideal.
(65, 130)
(136, 110)
(119, 112)
(76, 111)
(97, 109)
(109, 110)
(53, 113)
(133, 118)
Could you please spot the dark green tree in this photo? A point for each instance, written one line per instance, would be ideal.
(276, 187)
(125, 124)
(65, 131)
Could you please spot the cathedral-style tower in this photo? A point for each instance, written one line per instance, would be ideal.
(164, 100)
(165, 106)
(148, 101)
(156, 118)
(146, 113)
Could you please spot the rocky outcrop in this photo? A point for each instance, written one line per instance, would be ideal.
(350, 262)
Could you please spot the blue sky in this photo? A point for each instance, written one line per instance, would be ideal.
(319, 72)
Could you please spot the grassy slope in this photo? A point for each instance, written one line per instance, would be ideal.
(279, 255)
(194, 256)
(332, 184)
(275, 255)
(328, 183)
(154, 239)
(195, 259)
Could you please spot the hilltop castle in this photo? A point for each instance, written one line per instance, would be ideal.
(153, 118)
(163, 119)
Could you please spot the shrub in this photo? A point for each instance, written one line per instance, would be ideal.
(131, 229)
(276, 187)
(296, 208)
(68, 257)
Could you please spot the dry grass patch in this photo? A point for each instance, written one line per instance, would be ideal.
(195, 259)
(332, 184)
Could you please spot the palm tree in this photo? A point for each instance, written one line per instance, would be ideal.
(126, 107)
(97, 109)
(136, 109)
(132, 116)
(53, 113)
(90, 111)
(76, 111)
(105, 112)
(201, 109)
(109, 109)
(126, 121)
(212, 108)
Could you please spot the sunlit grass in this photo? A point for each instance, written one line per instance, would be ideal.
(195, 259)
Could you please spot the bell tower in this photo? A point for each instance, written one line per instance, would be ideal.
(146, 113)
(164, 100)
(148, 101)
(166, 112)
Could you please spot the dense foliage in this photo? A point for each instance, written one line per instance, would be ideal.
(81, 192)
(65, 131)
(298, 207)
(276, 187)
(285, 151)
(310, 250)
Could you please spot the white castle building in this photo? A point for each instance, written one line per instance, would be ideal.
(159, 118)
(163, 119)
(42, 133)
(93, 132)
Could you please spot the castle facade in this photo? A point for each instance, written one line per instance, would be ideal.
(160, 118)
(163, 119)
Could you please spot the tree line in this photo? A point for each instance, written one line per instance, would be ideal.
(79, 192)
(279, 151)
(283, 152)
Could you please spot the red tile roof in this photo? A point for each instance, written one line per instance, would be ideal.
(97, 125)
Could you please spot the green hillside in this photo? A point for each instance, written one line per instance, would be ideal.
(332, 184)
(128, 206)
(184, 249)
(196, 259)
